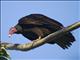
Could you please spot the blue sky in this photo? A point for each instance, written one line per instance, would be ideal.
(66, 12)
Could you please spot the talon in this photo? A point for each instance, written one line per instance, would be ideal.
(39, 38)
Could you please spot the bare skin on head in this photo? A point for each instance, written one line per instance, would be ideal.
(12, 31)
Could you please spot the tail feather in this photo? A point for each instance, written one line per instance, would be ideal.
(65, 41)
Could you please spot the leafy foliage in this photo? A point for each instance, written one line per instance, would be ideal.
(3, 54)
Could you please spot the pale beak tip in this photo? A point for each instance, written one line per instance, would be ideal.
(9, 35)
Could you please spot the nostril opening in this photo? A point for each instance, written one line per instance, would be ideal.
(12, 30)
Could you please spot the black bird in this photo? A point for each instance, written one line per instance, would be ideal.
(38, 26)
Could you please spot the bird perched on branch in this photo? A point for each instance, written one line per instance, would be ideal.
(38, 26)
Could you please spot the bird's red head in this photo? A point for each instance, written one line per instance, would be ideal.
(12, 31)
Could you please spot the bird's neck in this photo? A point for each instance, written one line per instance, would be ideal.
(19, 28)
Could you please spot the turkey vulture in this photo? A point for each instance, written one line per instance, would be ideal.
(38, 26)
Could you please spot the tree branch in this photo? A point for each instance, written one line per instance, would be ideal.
(37, 43)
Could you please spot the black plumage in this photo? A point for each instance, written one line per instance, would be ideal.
(34, 26)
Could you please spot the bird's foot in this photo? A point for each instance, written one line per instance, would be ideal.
(39, 38)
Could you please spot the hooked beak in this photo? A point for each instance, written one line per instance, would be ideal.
(12, 31)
